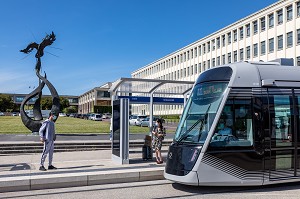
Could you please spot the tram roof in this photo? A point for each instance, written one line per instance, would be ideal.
(148, 86)
(262, 74)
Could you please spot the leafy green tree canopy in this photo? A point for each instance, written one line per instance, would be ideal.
(46, 103)
(6, 103)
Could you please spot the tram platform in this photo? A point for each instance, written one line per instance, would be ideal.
(20, 172)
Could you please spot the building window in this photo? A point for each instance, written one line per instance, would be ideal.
(218, 61)
(248, 30)
(223, 40)
(229, 38)
(271, 20)
(248, 52)
(263, 47)
(241, 33)
(255, 50)
(203, 49)
(204, 66)
(298, 36)
(279, 16)
(208, 64)
(218, 42)
(195, 69)
(199, 68)
(213, 62)
(223, 59)
(213, 44)
(254, 23)
(271, 45)
(298, 8)
(262, 24)
(280, 42)
(298, 61)
(208, 47)
(195, 51)
(289, 13)
(192, 54)
(289, 39)
(199, 48)
(235, 56)
(241, 54)
(234, 35)
(229, 58)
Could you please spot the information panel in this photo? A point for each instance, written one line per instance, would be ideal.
(116, 128)
(120, 142)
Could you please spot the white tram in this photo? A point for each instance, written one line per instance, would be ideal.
(240, 126)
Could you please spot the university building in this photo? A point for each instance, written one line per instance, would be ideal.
(95, 100)
(269, 34)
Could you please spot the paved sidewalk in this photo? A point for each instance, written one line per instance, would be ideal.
(83, 168)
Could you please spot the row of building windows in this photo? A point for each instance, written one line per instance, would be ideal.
(221, 41)
(240, 55)
(198, 68)
(141, 109)
(91, 96)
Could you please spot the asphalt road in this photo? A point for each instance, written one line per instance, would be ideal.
(161, 189)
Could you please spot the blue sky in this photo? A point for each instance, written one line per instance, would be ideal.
(98, 41)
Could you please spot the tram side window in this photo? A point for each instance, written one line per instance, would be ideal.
(234, 127)
(280, 111)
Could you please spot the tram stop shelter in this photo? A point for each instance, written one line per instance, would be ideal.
(127, 91)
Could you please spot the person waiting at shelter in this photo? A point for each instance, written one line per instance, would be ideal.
(47, 137)
(158, 136)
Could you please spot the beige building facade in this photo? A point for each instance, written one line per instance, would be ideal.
(96, 97)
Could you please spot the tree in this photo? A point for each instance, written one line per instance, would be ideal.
(6, 103)
(70, 109)
(64, 103)
(46, 103)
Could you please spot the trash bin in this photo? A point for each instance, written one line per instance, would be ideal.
(147, 149)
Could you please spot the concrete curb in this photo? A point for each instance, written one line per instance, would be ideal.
(62, 180)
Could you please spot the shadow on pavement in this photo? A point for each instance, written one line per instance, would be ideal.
(235, 189)
(15, 167)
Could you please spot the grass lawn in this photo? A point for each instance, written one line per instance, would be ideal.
(14, 125)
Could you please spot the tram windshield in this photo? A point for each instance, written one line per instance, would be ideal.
(200, 112)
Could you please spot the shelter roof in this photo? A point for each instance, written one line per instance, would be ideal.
(138, 86)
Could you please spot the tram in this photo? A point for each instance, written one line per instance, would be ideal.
(240, 126)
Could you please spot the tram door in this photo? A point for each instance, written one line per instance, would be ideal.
(281, 144)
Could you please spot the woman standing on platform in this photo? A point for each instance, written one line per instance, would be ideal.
(159, 134)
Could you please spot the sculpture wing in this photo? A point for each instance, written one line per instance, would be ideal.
(30, 47)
